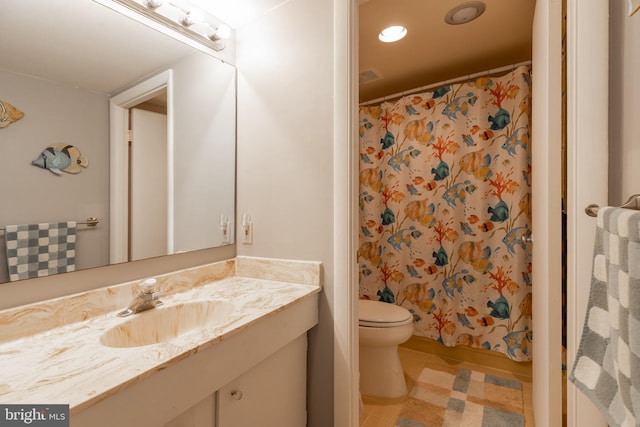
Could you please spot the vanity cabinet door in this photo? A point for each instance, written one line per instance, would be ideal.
(272, 394)
(203, 414)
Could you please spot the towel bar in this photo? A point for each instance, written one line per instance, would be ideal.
(90, 222)
(632, 203)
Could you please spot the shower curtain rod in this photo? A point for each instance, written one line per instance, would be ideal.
(447, 82)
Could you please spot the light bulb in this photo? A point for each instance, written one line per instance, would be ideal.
(221, 33)
(392, 34)
(187, 20)
(153, 4)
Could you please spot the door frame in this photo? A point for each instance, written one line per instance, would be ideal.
(345, 215)
(546, 142)
(119, 159)
(587, 112)
(587, 171)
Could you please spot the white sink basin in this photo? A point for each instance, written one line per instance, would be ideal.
(165, 323)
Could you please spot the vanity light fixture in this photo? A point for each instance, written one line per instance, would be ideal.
(153, 4)
(220, 35)
(187, 19)
(188, 22)
(466, 12)
(392, 34)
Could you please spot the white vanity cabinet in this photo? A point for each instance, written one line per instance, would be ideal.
(272, 394)
(243, 366)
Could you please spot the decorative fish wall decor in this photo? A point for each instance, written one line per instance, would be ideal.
(61, 157)
(9, 114)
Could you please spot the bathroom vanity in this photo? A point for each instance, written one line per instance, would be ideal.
(227, 348)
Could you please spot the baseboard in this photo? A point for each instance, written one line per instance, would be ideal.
(483, 357)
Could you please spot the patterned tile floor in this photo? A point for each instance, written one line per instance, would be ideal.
(380, 412)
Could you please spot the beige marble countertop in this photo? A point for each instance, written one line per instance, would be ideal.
(50, 351)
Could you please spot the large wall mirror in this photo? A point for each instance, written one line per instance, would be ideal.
(70, 66)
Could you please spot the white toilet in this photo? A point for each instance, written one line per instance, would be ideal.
(382, 327)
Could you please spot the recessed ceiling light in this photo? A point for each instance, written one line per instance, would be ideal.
(465, 12)
(392, 34)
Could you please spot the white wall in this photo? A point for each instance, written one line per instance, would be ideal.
(624, 103)
(285, 158)
(55, 113)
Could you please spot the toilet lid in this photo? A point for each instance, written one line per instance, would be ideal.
(382, 314)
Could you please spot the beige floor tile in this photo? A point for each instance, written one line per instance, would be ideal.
(388, 412)
(528, 418)
(363, 418)
(373, 421)
(412, 369)
(527, 394)
(366, 410)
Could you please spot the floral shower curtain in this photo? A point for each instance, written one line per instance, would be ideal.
(445, 211)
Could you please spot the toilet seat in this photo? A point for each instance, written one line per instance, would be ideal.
(382, 315)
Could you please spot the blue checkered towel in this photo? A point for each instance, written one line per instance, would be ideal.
(607, 365)
(36, 250)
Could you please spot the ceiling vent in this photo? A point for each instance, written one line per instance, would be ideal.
(367, 76)
(465, 12)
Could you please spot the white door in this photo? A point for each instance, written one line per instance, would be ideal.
(148, 185)
(546, 142)
(587, 154)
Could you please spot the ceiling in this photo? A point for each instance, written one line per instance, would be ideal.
(236, 13)
(434, 51)
(81, 44)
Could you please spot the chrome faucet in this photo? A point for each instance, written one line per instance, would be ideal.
(147, 298)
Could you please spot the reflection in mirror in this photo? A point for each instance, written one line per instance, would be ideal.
(148, 189)
(69, 68)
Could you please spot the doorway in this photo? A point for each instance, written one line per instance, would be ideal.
(547, 369)
(148, 189)
(160, 168)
